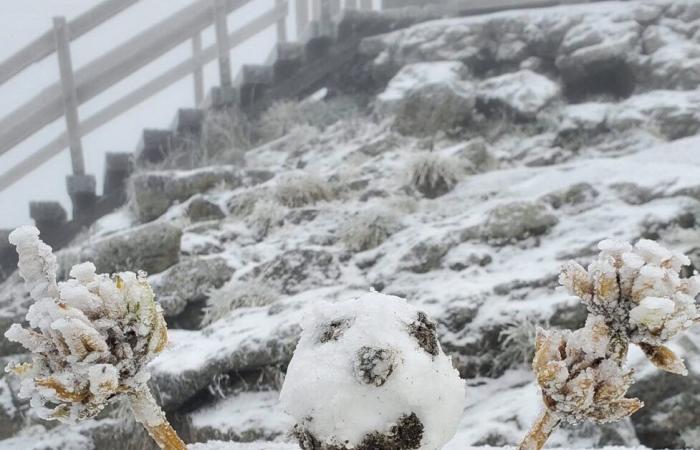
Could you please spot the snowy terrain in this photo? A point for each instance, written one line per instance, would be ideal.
(549, 152)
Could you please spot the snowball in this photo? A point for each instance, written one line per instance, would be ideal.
(370, 373)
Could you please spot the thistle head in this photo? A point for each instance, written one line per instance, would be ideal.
(639, 293)
(91, 336)
(580, 375)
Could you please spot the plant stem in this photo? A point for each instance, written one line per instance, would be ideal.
(540, 431)
(148, 413)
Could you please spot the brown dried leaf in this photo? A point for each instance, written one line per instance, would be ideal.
(664, 358)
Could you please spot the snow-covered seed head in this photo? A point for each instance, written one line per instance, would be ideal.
(369, 374)
(639, 293)
(91, 336)
(579, 377)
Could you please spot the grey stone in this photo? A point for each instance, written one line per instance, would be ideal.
(521, 95)
(154, 146)
(295, 271)
(155, 192)
(671, 405)
(189, 281)
(517, 221)
(151, 247)
(199, 209)
(435, 107)
(575, 198)
(424, 257)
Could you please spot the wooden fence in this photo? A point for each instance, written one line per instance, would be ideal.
(76, 87)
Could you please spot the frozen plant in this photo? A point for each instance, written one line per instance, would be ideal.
(517, 340)
(266, 215)
(369, 374)
(433, 175)
(91, 338)
(369, 229)
(302, 188)
(634, 294)
(237, 294)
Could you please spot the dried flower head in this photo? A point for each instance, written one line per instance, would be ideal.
(580, 379)
(639, 293)
(91, 338)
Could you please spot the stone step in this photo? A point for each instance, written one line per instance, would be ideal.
(8, 256)
(288, 59)
(118, 168)
(50, 218)
(320, 39)
(253, 83)
(82, 190)
(188, 121)
(221, 97)
(155, 145)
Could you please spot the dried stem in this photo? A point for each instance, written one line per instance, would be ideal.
(545, 425)
(148, 413)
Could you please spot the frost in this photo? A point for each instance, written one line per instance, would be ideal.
(369, 229)
(369, 374)
(634, 294)
(300, 189)
(237, 294)
(91, 338)
(433, 175)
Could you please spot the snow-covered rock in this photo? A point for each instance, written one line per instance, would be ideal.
(522, 94)
(155, 192)
(417, 76)
(187, 285)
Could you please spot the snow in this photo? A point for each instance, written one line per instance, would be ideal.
(358, 370)
(415, 76)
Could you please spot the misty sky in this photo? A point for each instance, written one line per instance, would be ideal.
(23, 20)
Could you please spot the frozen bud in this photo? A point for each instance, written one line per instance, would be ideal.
(90, 336)
(369, 374)
(664, 358)
(637, 290)
(578, 376)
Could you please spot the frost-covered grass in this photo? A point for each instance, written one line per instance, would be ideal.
(298, 189)
(266, 215)
(237, 294)
(433, 175)
(370, 228)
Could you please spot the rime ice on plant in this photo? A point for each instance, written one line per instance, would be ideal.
(90, 337)
(580, 379)
(634, 294)
(369, 374)
(639, 293)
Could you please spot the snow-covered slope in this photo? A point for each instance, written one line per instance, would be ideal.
(532, 164)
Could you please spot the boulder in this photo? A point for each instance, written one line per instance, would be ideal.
(425, 256)
(670, 408)
(517, 221)
(152, 248)
(574, 199)
(435, 107)
(186, 286)
(296, 271)
(199, 209)
(155, 192)
(418, 76)
(674, 114)
(520, 95)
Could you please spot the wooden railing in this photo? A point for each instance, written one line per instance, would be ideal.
(76, 87)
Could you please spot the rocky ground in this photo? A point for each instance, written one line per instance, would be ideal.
(498, 147)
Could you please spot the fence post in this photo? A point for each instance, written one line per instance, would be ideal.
(316, 9)
(221, 25)
(333, 8)
(302, 19)
(70, 96)
(325, 17)
(281, 24)
(198, 70)
(366, 5)
(350, 4)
